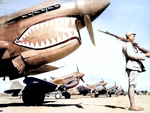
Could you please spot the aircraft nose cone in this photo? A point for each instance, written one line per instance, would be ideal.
(92, 7)
(97, 7)
(81, 74)
(103, 84)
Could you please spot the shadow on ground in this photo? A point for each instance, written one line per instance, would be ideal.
(46, 104)
(112, 106)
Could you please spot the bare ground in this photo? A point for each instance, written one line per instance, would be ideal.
(76, 104)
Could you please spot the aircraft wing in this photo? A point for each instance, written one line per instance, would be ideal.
(42, 69)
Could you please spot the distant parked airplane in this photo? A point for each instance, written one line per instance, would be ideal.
(96, 89)
(67, 82)
(112, 90)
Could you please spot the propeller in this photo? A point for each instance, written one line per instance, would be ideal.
(89, 27)
(102, 81)
(77, 68)
(78, 72)
(52, 78)
(82, 80)
(115, 84)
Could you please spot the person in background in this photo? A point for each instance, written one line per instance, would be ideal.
(133, 67)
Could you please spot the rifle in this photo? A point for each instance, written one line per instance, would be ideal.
(125, 40)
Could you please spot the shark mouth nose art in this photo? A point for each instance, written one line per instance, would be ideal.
(71, 83)
(49, 33)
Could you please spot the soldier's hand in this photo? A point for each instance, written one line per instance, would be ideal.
(148, 54)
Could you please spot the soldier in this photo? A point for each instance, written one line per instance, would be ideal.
(133, 67)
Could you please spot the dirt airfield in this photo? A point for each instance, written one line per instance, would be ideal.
(76, 104)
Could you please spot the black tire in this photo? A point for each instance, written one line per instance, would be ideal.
(33, 96)
(96, 95)
(109, 93)
(85, 93)
(67, 95)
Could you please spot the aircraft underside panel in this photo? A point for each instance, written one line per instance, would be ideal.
(7, 69)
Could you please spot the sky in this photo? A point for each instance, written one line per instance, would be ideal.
(105, 60)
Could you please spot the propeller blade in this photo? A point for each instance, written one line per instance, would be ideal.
(52, 78)
(77, 69)
(89, 27)
(82, 80)
(102, 81)
(115, 84)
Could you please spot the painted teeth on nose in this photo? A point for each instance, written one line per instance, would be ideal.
(21, 39)
(32, 45)
(53, 41)
(76, 33)
(42, 25)
(26, 34)
(73, 21)
(47, 24)
(37, 27)
(64, 37)
(69, 34)
(58, 39)
(27, 44)
(57, 21)
(37, 45)
(62, 22)
(42, 44)
(29, 30)
(33, 28)
(51, 23)
(23, 43)
(67, 21)
(48, 42)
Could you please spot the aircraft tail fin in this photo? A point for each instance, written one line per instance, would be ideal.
(15, 88)
(16, 85)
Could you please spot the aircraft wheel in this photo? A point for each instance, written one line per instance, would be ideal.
(33, 96)
(96, 95)
(84, 94)
(116, 93)
(92, 95)
(67, 95)
(58, 95)
(108, 94)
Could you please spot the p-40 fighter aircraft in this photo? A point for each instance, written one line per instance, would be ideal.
(41, 34)
(93, 90)
(67, 82)
(112, 90)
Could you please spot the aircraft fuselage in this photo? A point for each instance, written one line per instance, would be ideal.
(46, 32)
